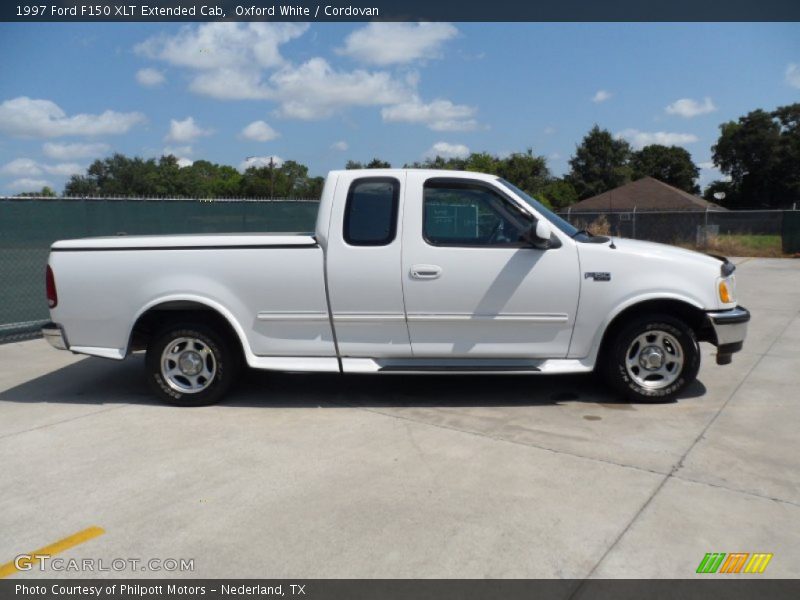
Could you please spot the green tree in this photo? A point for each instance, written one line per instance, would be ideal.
(525, 170)
(438, 162)
(559, 194)
(117, 175)
(375, 163)
(45, 192)
(719, 188)
(170, 178)
(289, 180)
(480, 162)
(81, 185)
(120, 175)
(761, 154)
(600, 163)
(670, 164)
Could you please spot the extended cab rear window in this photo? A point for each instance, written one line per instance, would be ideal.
(370, 215)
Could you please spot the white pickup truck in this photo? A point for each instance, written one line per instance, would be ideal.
(409, 271)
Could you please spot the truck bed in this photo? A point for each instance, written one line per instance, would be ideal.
(271, 285)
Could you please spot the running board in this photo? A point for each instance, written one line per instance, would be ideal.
(508, 366)
(456, 369)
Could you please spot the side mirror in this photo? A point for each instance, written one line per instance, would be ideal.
(539, 235)
(543, 230)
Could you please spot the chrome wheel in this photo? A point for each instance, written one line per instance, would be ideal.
(188, 365)
(654, 359)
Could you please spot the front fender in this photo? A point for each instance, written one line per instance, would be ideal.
(594, 342)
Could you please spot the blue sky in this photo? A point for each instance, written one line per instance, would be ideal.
(325, 93)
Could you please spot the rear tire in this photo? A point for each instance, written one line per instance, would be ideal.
(652, 359)
(191, 364)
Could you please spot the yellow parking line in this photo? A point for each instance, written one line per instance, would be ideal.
(68, 542)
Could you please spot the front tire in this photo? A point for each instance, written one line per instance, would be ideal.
(191, 364)
(652, 359)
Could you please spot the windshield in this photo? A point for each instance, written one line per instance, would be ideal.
(562, 224)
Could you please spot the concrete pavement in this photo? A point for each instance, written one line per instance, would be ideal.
(333, 476)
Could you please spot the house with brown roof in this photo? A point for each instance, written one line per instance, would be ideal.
(644, 194)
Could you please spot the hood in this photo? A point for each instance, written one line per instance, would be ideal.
(667, 252)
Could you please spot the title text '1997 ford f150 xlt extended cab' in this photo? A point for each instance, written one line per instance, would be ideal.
(408, 271)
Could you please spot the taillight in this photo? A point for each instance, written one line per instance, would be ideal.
(50, 284)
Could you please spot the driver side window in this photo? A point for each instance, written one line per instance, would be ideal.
(470, 214)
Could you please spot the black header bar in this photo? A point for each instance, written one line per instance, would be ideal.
(712, 588)
(400, 10)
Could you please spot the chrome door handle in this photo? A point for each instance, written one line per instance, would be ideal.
(426, 272)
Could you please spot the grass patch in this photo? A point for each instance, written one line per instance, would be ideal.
(742, 245)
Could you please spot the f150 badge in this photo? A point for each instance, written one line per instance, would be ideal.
(598, 276)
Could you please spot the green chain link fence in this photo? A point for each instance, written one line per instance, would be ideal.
(790, 233)
(29, 226)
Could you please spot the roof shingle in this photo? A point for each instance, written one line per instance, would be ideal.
(643, 194)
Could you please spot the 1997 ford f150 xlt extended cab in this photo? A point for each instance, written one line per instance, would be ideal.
(409, 271)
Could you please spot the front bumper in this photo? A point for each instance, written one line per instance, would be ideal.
(55, 336)
(730, 329)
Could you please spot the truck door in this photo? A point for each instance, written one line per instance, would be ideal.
(363, 265)
(472, 288)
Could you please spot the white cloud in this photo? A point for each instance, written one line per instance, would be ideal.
(64, 169)
(177, 150)
(793, 75)
(315, 90)
(214, 46)
(28, 117)
(73, 151)
(150, 77)
(688, 108)
(26, 167)
(601, 96)
(231, 84)
(228, 56)
(28, 185)
(312, 90)
(640, 139)
(260, 161)
(395, 43)
(185, 131)
(21, 167)
(439, 115)
(185, 162)
(707, 165)
(412, 78)
(259, 131)
(341, 146)
(549, 130)
(242, 61)
(447, 150)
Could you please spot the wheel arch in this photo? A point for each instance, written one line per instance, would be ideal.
(175, 308)
(691, 314)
